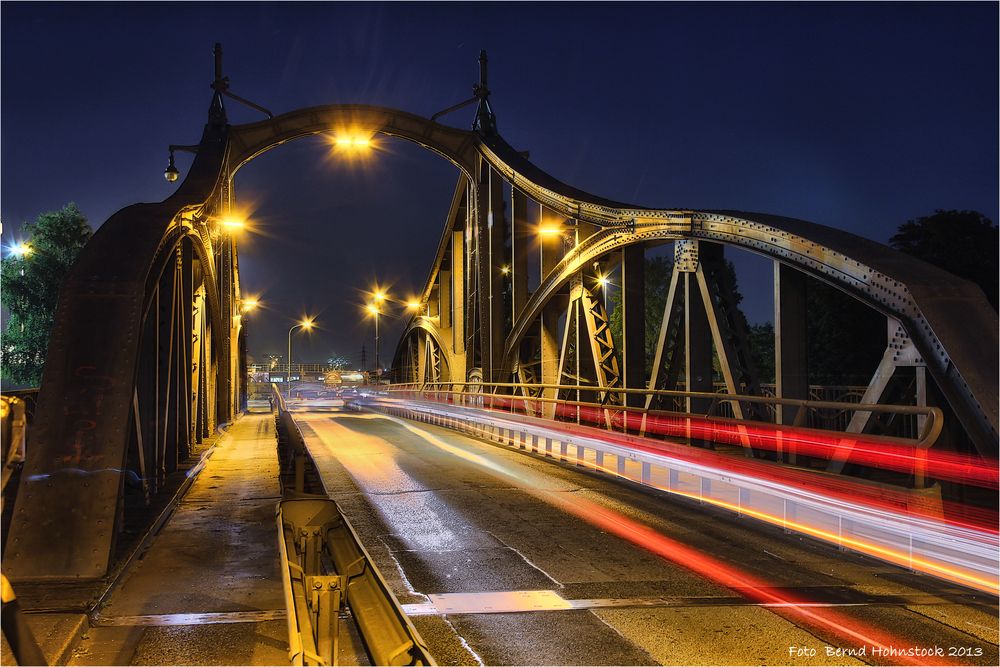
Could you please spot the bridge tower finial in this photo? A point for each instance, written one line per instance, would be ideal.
(486, 121)
(217, 111)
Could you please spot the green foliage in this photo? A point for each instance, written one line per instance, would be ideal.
(31, 290)
(658, 270)
(845, 338)
(960, 242)
(658, 273)
(762, 349)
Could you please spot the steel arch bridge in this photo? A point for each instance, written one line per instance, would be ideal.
(147, 354)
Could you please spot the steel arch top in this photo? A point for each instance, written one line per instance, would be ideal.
(252, 139)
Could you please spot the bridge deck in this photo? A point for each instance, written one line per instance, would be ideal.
(208, 589)
(463, 530)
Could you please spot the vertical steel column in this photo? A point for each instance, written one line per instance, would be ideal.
(420, 353)
(471, 284)
(198, 364)
(166, 440)
(791, 378)
(185, 304)
(444, 300)
(146, 406)
(697, 346)
(633, 342)
(491, 231)
(458, 302)
(210, 373)
(550, 252)
(498, 230)
(225, 349)
(520, 238)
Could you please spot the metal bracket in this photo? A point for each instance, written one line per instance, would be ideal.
(686, 255)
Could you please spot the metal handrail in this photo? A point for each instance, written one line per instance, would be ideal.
(931, 431)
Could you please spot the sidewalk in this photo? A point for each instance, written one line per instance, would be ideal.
(208, 588)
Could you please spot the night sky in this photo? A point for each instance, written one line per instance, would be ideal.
(857, 116)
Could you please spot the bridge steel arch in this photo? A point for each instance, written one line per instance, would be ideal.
(105, 410)
(137, 371)
(936, 321)
(157, 289)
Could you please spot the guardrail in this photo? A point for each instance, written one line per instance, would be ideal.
(292, 452)
(619, 414)
(865, 519)
(324, 566)
(13, 434)
(795, 444)
(312, 531)
(15, 409)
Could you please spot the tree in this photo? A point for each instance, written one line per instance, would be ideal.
(762, 349)
(657, 280)
(657, 283)
(960, 242)
(31, 283)
(845, 337)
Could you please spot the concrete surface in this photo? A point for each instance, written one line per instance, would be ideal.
(444, 513)
(217, 555)
(56, 634)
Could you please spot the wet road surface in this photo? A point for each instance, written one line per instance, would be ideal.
(502, 557)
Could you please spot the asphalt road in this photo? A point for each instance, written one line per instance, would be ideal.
(503, 557)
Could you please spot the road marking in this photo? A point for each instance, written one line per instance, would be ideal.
(204, 618)
(504, 602)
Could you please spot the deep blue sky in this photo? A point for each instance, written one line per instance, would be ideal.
(858, 116)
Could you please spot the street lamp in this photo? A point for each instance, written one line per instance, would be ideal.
(171, 172)
(21, 249)
(603, 281)
(306, 324)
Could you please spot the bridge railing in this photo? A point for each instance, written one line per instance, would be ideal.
(717, 406)
(899, 461)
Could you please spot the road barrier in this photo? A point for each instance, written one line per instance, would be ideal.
(863, 520)
(325, 567)
(298, 473)
(13, 432)
(313, 532)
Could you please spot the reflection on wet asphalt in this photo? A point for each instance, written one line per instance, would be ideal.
(443, 513)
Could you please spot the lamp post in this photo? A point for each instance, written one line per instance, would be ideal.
(304, 324)
(374, 310)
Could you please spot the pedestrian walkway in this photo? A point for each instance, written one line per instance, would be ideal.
(208, 589)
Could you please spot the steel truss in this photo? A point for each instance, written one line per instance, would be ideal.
(146, 352)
